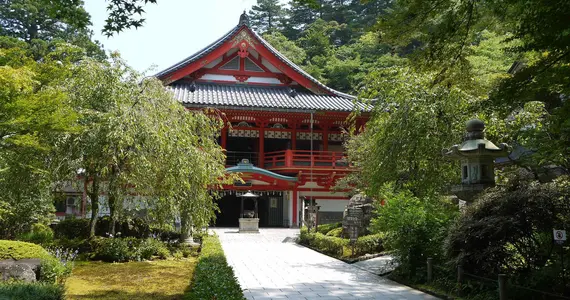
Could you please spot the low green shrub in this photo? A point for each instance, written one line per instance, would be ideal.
(36, 291)
(339, 247)
(72, 228)
(325, 228)
(52, 270)
(127, 249)
(40, 234)
(20, 250)
(337, 232)
(326, 244)
(369, 244)
(213, 277)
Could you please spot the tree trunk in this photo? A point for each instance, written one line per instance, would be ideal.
(113, 210)
(186, 229)
(94, 195)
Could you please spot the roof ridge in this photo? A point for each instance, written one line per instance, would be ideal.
(266, 44)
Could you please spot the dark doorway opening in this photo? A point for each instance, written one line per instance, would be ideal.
(229, 213)
(270, 210)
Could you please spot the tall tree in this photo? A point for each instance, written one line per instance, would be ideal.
(46, 23)
(266, 16)
(35, 114)
(137, 139)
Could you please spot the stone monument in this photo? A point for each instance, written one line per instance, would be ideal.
(358, 213)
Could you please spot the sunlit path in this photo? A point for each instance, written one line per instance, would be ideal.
(270, 266)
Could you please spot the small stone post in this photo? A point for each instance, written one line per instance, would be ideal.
(429, 269)
(502, 287)
(460, 278)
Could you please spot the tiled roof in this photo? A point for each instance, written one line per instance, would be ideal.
(257, 97)
(280, 56)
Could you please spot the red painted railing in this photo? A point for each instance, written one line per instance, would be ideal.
(302, 159)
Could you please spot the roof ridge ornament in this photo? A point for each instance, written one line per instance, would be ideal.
(244, 19)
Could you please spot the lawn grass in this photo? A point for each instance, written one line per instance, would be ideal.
(148, 280)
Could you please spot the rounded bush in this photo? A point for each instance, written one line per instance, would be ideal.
(21, 250)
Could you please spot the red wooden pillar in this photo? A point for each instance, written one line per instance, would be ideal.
(288, 158)
(224, 137)
(295, 212)
(294, 136)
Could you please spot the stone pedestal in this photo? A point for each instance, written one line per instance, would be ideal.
(249, 225)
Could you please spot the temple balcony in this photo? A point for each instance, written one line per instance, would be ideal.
(292, 161)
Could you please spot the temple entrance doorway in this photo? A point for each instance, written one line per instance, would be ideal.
(270, 210)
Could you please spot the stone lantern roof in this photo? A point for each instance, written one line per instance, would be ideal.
(475, 144)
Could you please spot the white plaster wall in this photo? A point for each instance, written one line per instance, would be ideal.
(263, 80)
(332, 205)
(218, 77)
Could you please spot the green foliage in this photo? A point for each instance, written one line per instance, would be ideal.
(127, 249)
(414, 227)
(286, 47)
(509, 230)
(21, 250)
(338, 247)
(213, 277)
(324, 228)
(410, 125)
(39, 291)
(54, 271)
(51, 271)
(266, 16)
(370, 244)
(71, 228)
(40, 234)
(336, 232)
(34, 115)
(124, 14)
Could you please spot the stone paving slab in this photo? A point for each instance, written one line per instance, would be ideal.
(269, 266)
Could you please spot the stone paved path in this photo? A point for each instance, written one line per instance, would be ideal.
(270, 266)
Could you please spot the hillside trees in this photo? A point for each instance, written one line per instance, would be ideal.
(43, 24)
(266, 16)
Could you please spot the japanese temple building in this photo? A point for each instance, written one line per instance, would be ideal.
(285, 137)
(278, 114)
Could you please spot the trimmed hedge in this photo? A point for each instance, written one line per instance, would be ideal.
(213, 277)
(35, 291)
(339, 247)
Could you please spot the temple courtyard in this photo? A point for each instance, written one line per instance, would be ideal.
(270, 265)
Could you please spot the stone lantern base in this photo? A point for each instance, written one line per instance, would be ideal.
(248, 225)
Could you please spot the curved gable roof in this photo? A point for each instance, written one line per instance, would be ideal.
(243, 25)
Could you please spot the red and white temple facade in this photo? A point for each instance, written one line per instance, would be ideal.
(285, 123)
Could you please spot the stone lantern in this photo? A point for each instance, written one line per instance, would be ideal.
(249, 222)
(477, 156)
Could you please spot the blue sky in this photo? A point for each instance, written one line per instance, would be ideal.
(174, 29)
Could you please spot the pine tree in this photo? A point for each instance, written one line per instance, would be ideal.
(266, 16)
